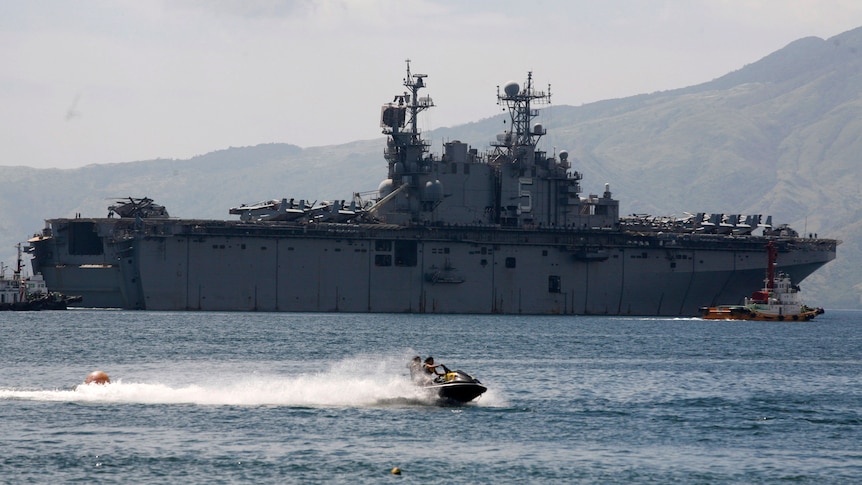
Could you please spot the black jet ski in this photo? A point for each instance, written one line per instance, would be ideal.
(457, 386)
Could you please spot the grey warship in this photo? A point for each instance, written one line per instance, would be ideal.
(507, 230)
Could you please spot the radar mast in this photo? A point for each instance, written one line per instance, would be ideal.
(406, 147)
(521, 139)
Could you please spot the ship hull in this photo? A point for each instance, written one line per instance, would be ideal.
(231, 266)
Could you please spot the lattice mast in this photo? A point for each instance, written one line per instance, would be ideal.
(521, 139)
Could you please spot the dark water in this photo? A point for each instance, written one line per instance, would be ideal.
(275, 398)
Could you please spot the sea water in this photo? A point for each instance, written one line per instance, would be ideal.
(326, 398)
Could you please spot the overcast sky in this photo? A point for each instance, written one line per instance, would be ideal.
(105, 81)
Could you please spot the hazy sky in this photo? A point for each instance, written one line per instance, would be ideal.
(104, 81)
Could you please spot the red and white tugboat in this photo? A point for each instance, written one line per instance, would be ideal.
(778, 300)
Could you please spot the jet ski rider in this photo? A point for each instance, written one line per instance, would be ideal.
(431, 368)
(416, 370)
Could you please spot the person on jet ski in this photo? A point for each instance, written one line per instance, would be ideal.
(431, 368)
(415, 367)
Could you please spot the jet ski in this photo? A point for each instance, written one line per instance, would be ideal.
(456, 386)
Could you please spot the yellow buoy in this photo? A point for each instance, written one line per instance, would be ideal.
(97, 377)
(396, 471)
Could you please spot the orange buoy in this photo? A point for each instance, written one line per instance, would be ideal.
(97, 377)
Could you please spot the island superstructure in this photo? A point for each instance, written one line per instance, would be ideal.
(507, 230)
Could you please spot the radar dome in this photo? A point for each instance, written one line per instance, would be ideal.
(564, 155)
(385, 188)
(512, 88)
(433, 191)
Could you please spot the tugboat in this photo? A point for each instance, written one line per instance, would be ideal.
(23, 293)
(778, 300)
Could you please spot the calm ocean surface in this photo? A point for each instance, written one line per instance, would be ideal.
(306, 398)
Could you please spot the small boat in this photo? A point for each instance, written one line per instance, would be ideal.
(778, 300)
(29, 293)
